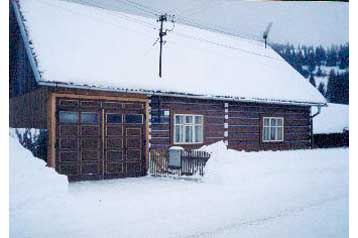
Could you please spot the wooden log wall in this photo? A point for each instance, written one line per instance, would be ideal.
(29, 110)
(161, 129)
(238, 124)
(245, 124)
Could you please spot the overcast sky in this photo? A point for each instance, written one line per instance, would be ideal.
(313, 23)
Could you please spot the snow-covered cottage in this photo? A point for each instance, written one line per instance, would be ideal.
(90, 76)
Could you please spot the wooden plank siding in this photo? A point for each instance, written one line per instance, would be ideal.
(161, 126)
(246, 123)
(243, 122)
(29, 110)
(21, 77)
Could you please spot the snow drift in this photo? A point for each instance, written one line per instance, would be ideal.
(30, 180)
(232, 167)
(243, 194)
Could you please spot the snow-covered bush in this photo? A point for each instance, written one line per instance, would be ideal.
(33, 139)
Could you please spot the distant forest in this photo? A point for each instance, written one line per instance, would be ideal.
(326, 68)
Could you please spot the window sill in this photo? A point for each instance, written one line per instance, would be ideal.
(189, 143)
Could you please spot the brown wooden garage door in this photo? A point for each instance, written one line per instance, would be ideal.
(100, 139)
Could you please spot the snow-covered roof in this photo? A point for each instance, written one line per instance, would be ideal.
(332, 119)
(87, 46)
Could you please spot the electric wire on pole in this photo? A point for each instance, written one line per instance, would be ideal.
(163, 18)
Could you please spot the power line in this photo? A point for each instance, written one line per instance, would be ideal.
(121, 15)
(188, 36)
(92, 17)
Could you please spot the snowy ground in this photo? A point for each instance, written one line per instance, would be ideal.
(261, 194)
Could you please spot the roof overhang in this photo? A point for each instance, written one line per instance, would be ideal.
(178, 94)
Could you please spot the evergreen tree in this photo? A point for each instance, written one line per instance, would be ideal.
(338, 88)
(331, 86)
(312, 80)
(332, 57)
(321, 89)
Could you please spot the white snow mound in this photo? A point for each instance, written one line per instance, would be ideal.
(332, 119)
(232, 167)
(30, 180)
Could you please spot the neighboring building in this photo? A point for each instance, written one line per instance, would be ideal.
(331, 126)
(89, 76)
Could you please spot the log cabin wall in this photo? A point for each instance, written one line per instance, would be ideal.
(245, 123)
(238, 124)
(29, 110)
(161, 125)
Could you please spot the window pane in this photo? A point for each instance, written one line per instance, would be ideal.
(68, 117)
(114, 118)
(178, 133)
(279, 133)
(279, 122)
(89, 117)
(198, 133)
(266, 133)
(266, 121)
(188, 119)
(133, 118)
(273, 122)
(188, 134)
(198, 120)
(273, 133)
(178, 119)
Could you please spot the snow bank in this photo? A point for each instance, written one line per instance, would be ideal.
(232, 167)
(89, 46)
(332, 119)
(30, 180)
(242, 195)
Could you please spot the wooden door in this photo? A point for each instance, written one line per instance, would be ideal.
(100, 139)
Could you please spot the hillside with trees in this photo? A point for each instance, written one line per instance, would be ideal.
(327, 69)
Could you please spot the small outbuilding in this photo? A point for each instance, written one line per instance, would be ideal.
(331, 127)
(89, 77)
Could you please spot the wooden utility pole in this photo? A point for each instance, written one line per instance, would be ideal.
(163, 18)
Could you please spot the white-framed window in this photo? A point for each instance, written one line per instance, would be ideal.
(188, 129)
(273, 129)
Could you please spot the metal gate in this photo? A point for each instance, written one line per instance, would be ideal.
(98, 139)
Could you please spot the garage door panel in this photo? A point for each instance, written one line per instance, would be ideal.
(134, 131)
(114, 143)
(90, 168)
(69, 156)
(90, 143)
(116, 168)
(134, 169)
(134, 142)
(114, 130)
(69, 144)
(90, 155)
(70, 169)
(100, 139)
(134, 154)
(114, 155)
(90, 130)
(69, 130)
